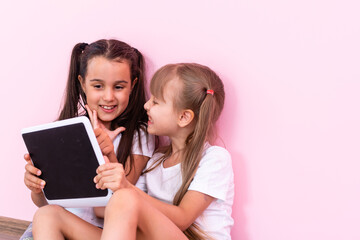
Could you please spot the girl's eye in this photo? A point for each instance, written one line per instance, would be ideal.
(97, 86)
(119, 87)
(154, 102)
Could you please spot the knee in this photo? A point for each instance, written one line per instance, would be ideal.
(123, 199)
(49, 212)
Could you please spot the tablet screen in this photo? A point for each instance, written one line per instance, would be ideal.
(67, 160)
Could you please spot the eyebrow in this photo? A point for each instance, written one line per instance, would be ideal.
(116, 82)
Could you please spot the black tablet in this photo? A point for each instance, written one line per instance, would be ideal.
(68, 155)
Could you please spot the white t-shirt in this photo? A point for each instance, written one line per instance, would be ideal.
(214, 177)
(147, 144)
(147, 149)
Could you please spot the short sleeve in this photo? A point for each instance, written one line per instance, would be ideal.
(147, 146)
(214, 176)
(141, 183)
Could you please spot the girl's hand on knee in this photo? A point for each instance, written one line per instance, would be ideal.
(96, 124)
(31, 176)
(111, 176)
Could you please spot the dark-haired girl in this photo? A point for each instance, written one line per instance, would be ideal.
(106, 81)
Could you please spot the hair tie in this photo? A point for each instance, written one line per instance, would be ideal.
(209, 91)
(83, 46)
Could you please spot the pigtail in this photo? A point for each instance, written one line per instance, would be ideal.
(192, 156)
(194, 147)
(73, 91)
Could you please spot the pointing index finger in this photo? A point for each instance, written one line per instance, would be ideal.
(96, 122)
(93, 117)
(90, 114)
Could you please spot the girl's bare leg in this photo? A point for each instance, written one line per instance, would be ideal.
(54, 222)
(129, 216)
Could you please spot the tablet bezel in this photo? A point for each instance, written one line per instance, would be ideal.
(83, 201)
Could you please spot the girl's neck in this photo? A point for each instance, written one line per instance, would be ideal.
(177, 145)
(173, 159)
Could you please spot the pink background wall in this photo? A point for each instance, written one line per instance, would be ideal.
(291, 120)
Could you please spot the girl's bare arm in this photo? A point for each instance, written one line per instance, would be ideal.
(132, 176)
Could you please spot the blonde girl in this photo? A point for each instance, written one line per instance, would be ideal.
(189, 182)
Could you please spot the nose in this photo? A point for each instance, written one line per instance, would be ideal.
(108, 95)
(147, 105)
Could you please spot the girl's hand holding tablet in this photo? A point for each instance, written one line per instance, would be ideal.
(112, 176)
(33, 182)
(31, 178)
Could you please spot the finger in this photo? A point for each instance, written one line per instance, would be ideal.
(106, 159)
(99, 134)
(27, 157)
(34, 186)
(117, 172)
(108, 183)
(118, 131)
(33, 170)
(107, 166)
(96, 122)
(34, 189)
(110, 172)
(90, 114)
(106, 148)
(114, 178)
(33, 181)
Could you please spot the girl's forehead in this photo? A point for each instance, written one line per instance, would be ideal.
(103, 68)
(97, 60)
(100, 62)
(171, 89)
(173, 84)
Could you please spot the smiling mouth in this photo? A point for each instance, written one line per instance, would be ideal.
(149, 119)
(108, 107)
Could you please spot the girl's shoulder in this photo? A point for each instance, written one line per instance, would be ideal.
(155, 157)
(215, 157)
(154, 161)
(215, 175)
(142, 144)
(216, 153)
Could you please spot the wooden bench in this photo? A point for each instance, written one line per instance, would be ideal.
(11, 228)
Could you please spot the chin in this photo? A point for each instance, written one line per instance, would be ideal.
(106, 120)
(151, 131)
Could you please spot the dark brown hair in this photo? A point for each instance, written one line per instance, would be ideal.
(134, 116)
(196, 80)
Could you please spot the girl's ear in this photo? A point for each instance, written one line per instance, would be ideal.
(81, 80)
(134, 83)
(186, 117)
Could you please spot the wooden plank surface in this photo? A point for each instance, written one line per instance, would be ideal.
(11, 229)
